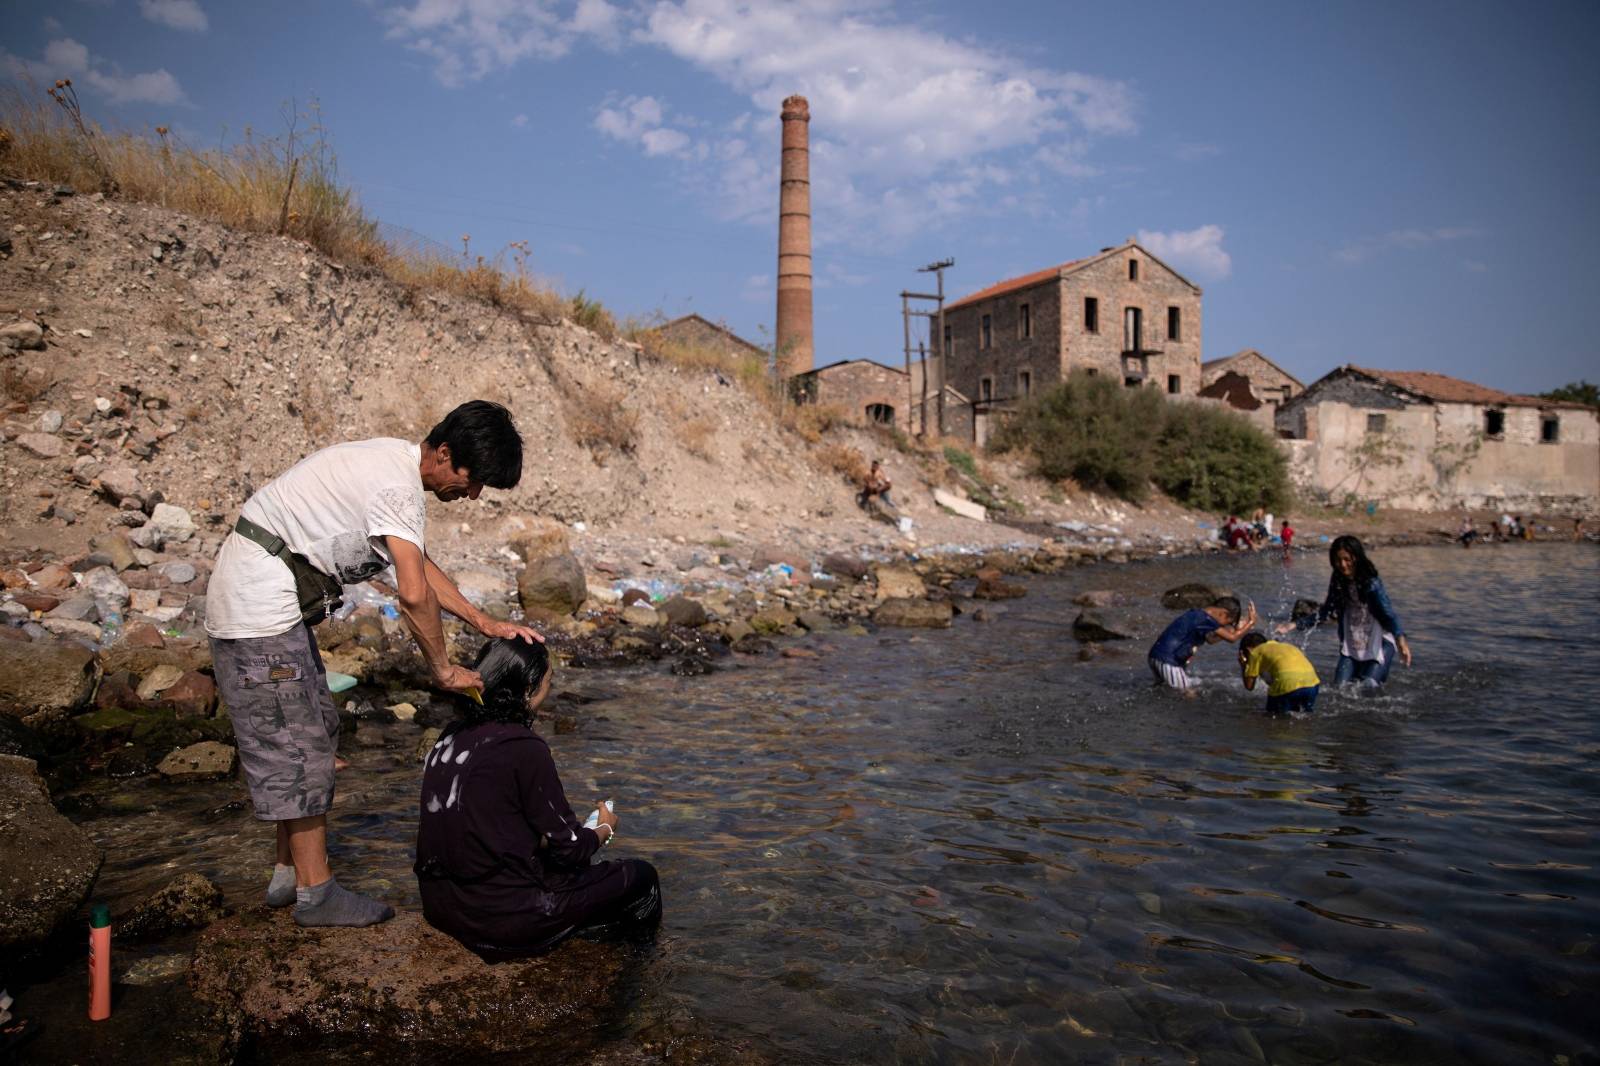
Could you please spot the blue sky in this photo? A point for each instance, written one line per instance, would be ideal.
(1406, 186)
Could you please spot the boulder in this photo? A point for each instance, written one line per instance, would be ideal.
(899, 583)
(73, 628)
(736, 630)
(917, 613)
(168, 524)
(815, 621)
(177, 572)
(682, 611)
(633, 596)
(1191, 595)
(194, 695)
(993, 586)
(158, 680)
(404, 984)
(121, 483)
(43, 680)
(52, 578)
(22, 334)
(105, 586)
(142, 657)
(1096, 598)
(534, 537)
(772, 555)
(47, 864)
(116, 547)
(190, 901)
(552, 588)
(1093, 627)
(37, 601)
(78, 608)
(845, 566)
(42, 445)
(199, 762)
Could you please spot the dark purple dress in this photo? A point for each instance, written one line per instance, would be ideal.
(502, 862)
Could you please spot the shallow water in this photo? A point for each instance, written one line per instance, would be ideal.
(973, 846)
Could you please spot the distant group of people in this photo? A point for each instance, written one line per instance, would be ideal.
(1257, 533)
(1506, 527)
(1370, 637)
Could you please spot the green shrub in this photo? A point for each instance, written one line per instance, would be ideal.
(961, 460)
(1109, 438)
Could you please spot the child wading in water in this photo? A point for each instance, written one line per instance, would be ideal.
(1292, 682)
(1170, 655)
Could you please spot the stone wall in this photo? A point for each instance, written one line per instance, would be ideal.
(1012, 349)
(1271, 386)
(858, 384)
(692, 331)
(1156, 290)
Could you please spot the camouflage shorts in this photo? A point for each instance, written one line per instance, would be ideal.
(284, 721)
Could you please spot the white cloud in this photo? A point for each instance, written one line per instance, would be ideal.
(178, 14)
(67, 58)
(598, 19)
(1366, 247)
(639, 120)
(470, 39)
(1197, 253)
(519, 121)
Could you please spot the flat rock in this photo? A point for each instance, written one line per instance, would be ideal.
(682, 611)
(997, 588)
(899, 583)
(773, 555)
(916, 613)
(141, 657)
(43, 445)
(772, 620)
(641, 614)
(53, 578)
(189, 901)
(405, 985)
(22, 334)
(1096, 598)
(1191, 595)
(121, 483)
(40, 681)
(193, 695)
(845, 566)
(168, 524)
(115, 547)
(199, 762)
(47, 864)
(1091, 627)
(158, 680)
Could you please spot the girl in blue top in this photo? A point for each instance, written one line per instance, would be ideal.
(1370, 637)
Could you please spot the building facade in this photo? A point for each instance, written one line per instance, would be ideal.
(1430, 442)
(692, 331)
(874, 393)
(1269, 383)
(1122, 313)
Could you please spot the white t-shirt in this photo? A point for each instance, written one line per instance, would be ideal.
(334, 507)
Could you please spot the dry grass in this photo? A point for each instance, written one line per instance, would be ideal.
(812, 420)
(697, 437)
(845, 460)
(750, 371)
(598, 420)
(286, 185)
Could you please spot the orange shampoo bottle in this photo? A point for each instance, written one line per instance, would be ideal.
(99, 963)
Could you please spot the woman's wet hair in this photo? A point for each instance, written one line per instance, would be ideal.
(1365, 573)
(512, 670)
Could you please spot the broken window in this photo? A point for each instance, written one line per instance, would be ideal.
(1377, 423)
(1494, 424)
(1024, 382)
(881, 413)
(1174, 384)
(1024, 322)
(1091, 315)
(986, 389)
(1133, 270)
(1133, 330)
(1550, 429)
(1174, 324)
(1091, 371)
(987, 334)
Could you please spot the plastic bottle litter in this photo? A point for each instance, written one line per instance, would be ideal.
(593, 821)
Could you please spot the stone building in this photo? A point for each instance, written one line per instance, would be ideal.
(692, 331)
(874, 392)
(1122, 313)
(1234, 391)
(1430, 442)
(1268, 382)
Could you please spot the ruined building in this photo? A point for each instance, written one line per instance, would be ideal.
(1411, 438)
(1268, 383)
(793, 331)
(1122, 313)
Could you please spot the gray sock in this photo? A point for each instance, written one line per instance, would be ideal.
(328, 904)
(280, 890)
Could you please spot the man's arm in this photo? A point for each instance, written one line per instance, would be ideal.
(419, 607)
(450, 599)
(1232, 633)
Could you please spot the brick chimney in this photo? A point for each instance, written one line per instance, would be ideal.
(793, 332)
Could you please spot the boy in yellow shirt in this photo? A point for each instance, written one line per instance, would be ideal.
(1292, 682)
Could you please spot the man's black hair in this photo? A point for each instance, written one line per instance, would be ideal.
(511, 671)
(1231, 605)
(483, 441)
(1251, 640)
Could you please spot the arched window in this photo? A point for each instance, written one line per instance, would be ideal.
(881, 413)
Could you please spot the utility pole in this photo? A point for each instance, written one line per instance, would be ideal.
(938, 269)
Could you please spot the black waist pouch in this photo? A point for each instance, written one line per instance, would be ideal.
(317, 594)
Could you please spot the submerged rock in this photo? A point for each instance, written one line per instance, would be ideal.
(199, 762)
(1191, 595)
(1093, 627)
(406, 985)
(188, 902)
(47, 864)
(916, 613)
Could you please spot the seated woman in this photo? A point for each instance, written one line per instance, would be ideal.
(502, 863)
